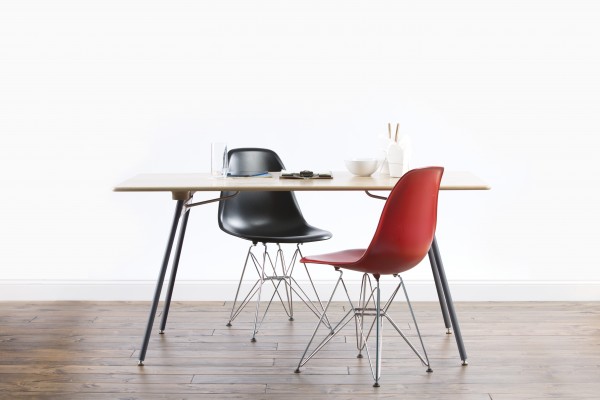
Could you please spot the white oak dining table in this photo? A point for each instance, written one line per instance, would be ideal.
(182, 187)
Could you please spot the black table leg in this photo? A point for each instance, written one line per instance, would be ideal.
(163, 322)
(440, 290)
(449, 303)
(161, 279)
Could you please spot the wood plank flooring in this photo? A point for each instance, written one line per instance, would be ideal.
(88, 350)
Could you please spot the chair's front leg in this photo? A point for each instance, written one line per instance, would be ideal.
(359, 318)
(332, 331)
(286, 272)
(235, 311)
(378, 338)
(261, 283)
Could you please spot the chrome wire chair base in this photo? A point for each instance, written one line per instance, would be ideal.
(369, 305)
(279, 273)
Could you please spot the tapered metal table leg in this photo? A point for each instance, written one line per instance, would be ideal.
(161, 279)
(440, 290)
(450, 304)
(165, 314)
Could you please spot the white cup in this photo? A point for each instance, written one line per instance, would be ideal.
(218, 159)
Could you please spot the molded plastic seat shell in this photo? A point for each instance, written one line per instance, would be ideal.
(405, 230)
(264, 216)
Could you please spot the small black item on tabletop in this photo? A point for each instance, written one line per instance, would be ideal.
(306, 174)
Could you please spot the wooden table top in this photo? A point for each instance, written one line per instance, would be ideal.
(181, 184)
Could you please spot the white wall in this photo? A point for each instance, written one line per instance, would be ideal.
(93, 92)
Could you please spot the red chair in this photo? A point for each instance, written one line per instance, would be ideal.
(402, 239)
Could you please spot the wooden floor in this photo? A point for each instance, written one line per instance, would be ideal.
(85, 350)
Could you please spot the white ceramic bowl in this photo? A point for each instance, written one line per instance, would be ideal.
(362, 166)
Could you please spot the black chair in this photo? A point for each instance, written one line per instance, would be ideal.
(267, 217)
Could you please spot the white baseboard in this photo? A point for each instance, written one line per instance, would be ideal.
(419, 290)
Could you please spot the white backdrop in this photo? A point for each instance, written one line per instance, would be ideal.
(93, 92)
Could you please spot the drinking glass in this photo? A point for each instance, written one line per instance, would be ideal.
(218, 159)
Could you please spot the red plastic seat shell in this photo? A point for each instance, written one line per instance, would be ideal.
(405, 230)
